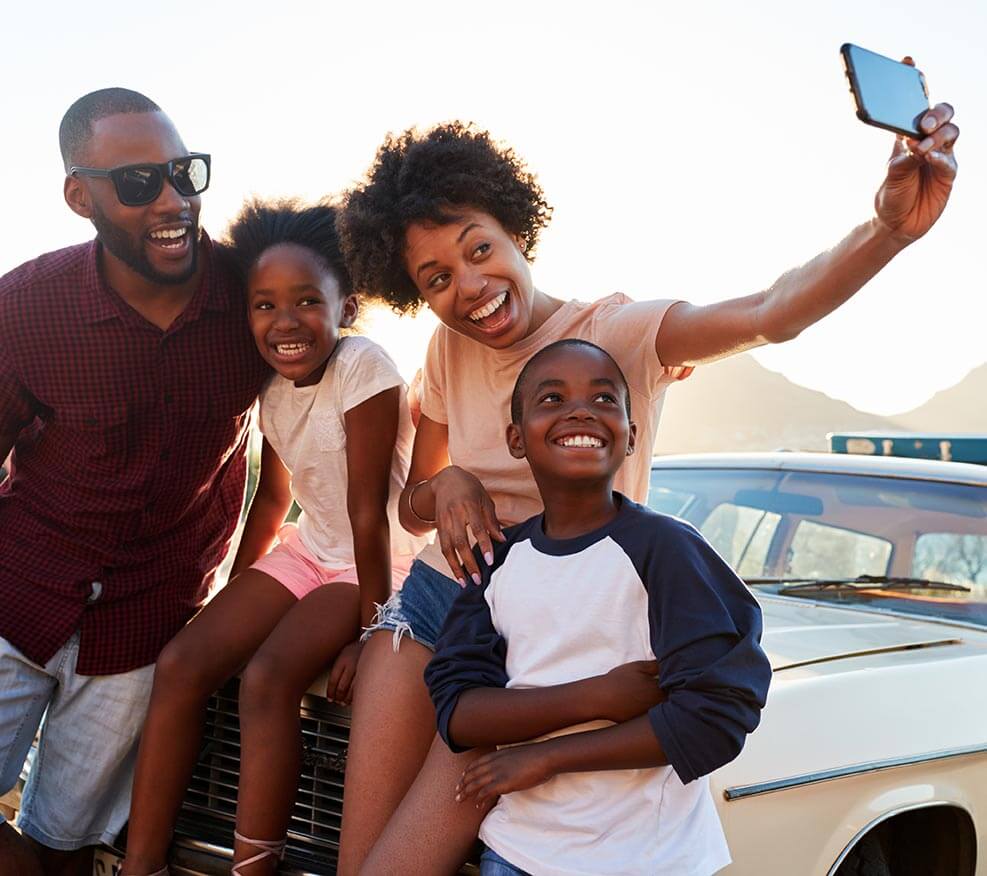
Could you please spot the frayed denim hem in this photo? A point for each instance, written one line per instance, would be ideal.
(390, 617)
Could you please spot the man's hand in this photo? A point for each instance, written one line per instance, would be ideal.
(500, 772)
(628, 691)
(920, 176)
(342, 676)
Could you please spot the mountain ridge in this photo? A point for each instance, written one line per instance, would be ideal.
(738, 404)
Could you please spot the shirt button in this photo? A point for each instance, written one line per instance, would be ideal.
(91, 421)
(97, 591)
(165, 454)
(168, 398)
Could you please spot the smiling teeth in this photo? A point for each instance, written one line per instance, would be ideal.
(488, 308)
(169, 234)
(580, 441)
(291, 349)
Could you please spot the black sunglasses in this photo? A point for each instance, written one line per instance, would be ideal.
(140, 184)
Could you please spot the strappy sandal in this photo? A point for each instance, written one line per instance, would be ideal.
(267, 849)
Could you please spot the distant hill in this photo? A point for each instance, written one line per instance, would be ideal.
(961, 408)
(738, 404)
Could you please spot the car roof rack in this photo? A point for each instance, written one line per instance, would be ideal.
(912, 445)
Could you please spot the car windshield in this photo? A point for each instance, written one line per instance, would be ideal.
(809, 526)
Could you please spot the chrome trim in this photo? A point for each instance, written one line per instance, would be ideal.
(197, 845)
(213, 850)
(887, 649)
(739, 792)
(891, 813)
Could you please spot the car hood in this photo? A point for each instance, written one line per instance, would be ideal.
(798, 632)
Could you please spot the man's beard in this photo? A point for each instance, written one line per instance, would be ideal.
(121, 245)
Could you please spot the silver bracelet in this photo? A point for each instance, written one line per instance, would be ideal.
(411, 505)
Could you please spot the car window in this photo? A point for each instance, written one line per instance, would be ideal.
(667, 501)
(952, 557)
(821, 551)
(741, 535)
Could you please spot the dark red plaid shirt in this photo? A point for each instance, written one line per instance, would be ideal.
(128, 469)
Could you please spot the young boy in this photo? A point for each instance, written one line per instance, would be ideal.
(595, 582)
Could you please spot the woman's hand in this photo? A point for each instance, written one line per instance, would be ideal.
(500, 772)
(920, 176)
(342, 676)
(628, 691)
(460, 502)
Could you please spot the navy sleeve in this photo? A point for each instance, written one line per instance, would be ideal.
(705, 632)
(469, 653)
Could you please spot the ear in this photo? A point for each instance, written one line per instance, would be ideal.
(631, 439)
(351, 307)
(515, 441)
(77, 197)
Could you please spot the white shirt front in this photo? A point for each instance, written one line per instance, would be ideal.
(306, 427)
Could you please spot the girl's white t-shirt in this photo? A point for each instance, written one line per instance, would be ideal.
(306, 427)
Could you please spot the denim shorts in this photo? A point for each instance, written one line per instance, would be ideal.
(419, 608)
(78, 787)
(492, 864)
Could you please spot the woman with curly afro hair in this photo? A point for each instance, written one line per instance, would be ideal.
(451, 219)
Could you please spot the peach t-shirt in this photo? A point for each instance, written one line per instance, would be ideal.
(468, 387)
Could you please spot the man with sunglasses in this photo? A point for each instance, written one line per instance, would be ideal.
(127, 371)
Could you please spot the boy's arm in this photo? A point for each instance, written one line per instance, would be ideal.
(705, 631)
(492, 716)
(705, 628)
(911, 198)
(467, 678)
(267, 511)
(631, 745)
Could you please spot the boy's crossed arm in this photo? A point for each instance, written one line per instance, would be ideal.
(713, 673)
(467, 679)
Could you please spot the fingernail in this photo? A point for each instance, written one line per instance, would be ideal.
(937, 155)
(925, 145)
(459, 798)
(488, 556)
(460, 582)
(928, 124)
(476, 579)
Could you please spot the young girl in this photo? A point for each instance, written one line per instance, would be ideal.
(448, 218)
(337, 439)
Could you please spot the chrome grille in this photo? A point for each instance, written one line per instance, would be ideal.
(209, 809)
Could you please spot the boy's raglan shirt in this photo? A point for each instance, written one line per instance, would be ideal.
(645, 586)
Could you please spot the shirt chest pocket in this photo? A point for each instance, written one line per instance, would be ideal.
(328, 430)
(95, 437)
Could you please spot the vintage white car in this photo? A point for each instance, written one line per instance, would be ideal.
(871, 758)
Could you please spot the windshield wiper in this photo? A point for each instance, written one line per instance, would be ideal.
(861, 582)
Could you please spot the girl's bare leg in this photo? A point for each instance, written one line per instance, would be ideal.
(303, 643)
(194, 664)
(393, 727)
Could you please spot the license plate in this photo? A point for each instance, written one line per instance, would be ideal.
(106, 863)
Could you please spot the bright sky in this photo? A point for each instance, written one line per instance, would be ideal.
(693, 150)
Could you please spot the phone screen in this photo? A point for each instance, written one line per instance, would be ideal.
(888, 94)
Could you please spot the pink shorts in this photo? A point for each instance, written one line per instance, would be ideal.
(291, 564)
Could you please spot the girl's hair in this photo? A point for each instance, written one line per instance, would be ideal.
(263, 224)
(426, 177)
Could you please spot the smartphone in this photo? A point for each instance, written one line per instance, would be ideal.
(888, 94)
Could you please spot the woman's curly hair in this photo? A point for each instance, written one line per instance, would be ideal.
(426, 176)
(263, 224)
